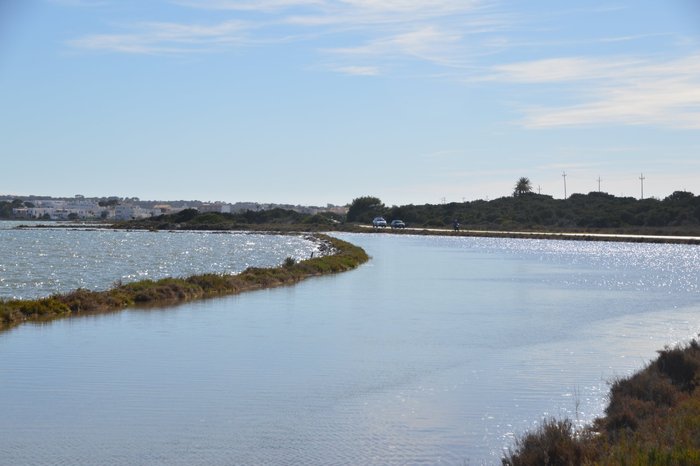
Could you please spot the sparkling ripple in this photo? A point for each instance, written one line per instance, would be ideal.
(40, 262)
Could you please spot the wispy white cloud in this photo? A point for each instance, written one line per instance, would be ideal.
(359, 70)
(413, 28)
(634, 37)
(404, 32)
(445, 37)
(372, 12)
(375, 31)
(353, 9)
(553, 70)
(426, 43)
(80, 3)
(628, 91)
(265, 6)
(166, 38)
(651, 104)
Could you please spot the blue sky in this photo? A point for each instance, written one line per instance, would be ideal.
(321, 101)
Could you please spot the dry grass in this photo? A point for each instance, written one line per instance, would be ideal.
(554, 443)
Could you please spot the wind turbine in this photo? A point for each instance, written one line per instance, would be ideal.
(564, 175)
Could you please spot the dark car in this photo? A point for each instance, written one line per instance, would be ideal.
(398, 224)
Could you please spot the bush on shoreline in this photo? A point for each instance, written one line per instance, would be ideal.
(653, 418)
(176, 290)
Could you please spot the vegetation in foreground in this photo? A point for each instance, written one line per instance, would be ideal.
(653, 418)
(175, 290)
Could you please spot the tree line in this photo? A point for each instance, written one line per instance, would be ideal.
(679, 212)
(7, 206)
(192, 219)
(529, 210)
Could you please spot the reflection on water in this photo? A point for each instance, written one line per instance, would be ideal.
(39, 262)
(435, 352)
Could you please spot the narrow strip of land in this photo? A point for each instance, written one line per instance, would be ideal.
(553, 235)
(169, 291)
(601, 236)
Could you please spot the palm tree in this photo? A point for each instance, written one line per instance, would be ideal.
(522, 186)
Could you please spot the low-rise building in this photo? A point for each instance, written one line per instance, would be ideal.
(131, 212)
(218, 207)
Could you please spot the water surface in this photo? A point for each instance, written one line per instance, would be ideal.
(39, 262)
(435, 352)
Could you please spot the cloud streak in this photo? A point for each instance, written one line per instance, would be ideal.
(445, 38)
(412, 29)
(167, 38)
(345, 10)
(359, 70)
(427, 44)
(628, 91)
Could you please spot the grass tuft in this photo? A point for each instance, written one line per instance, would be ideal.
(554, 443)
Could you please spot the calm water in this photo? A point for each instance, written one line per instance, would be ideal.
(39, 262)
(435, 352)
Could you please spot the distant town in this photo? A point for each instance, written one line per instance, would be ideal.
(80, 207)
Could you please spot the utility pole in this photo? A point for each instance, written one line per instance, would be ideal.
(539, 189)
(564, 175)
(641, 178)
(599, 180)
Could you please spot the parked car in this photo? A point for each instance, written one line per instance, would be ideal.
(398, 224)
(379, 222)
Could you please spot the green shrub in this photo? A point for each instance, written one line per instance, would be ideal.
(681, 365)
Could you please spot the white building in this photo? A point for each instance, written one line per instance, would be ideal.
(131, 212)
(218, 207)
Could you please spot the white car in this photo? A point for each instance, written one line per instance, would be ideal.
(379, 222)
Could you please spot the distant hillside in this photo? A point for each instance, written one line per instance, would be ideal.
(192, 219)
(679, 212)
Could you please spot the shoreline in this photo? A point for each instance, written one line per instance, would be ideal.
(613, 236)
(171, 291)
(549, 235)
